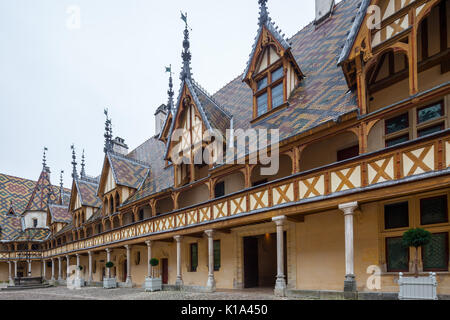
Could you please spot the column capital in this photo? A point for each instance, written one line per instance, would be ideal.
(280, 220)
(127, 246)
(210, 233)
(90, 253)
(348, 208)
(149, 243)
(108, 250)
(178, 238)
(67, 257)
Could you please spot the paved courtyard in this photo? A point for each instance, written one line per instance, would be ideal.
(62, 293)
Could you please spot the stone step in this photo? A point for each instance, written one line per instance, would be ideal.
(26, 287)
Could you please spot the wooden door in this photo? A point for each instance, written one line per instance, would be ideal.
(165, 271)
(251, 270)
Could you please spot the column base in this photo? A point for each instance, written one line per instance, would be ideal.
(280, 287)
(153, 284)
(78, 283)
(179, 282)
(128, 283)
(211, 285)
(350, 283)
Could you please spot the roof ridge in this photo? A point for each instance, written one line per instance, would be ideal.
(211, 98)
(124, 157)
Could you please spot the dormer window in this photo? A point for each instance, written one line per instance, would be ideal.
(270, 90)
(35, 223)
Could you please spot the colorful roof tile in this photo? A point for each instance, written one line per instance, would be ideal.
(87, 190)
(33, 235)
(59, 213)
(126, 171)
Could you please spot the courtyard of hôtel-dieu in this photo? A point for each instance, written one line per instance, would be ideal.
(319, 168)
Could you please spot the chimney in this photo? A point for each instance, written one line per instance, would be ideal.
(324, 8)
(119, 146)
(160, 118)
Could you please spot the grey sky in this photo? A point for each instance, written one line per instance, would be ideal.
(55, 82)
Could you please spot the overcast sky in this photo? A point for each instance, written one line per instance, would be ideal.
(56, 79)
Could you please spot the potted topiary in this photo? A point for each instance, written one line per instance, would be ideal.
(154, 281)
(109, 282)
(420, 288)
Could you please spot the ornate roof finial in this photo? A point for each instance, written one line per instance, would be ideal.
(170, 91)
(44, 159)
(74, 163)
(61, 188)
(108, 133)
(263, 12)
(186, 54)
(83, 165)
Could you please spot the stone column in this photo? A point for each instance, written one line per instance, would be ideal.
(179, 281)
(60, 277)
(44, 269)
(211, 283)
(78, 266)
(149, 256)
(67, 267)
(15, 269)
(10, 279)
(29, 268)
(129, 282)
(53, 269)
(108, 259)
(280, 284)
(350, 280)
(90, 278)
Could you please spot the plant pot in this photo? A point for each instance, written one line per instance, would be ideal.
(153, 284)
(418, 288)
(109, 283)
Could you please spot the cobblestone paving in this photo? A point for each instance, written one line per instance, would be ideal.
(62, 293)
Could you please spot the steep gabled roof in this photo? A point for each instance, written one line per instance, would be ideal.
(126, 171)
(159, 178)
(86, 189)
(43, 193)
(59, 213)
(359, 18)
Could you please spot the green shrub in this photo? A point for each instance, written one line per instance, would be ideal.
(416, 238)
(154, 262)
(109, 264)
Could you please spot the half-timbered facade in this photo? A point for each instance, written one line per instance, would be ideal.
(360, 99)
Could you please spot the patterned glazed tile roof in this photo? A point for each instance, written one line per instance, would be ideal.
(33, 235)
(323, 94)
(127, 171)
(16, 196)
(87, 191)
(60, 213)
(159, 178)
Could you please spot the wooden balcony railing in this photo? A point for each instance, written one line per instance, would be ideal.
(404, 161)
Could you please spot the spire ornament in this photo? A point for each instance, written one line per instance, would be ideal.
(74, 163)
(61, 188)
(170, 91)
(44, 160)
(83, 164)
(108, 133)
(186, 54)
(263, 12)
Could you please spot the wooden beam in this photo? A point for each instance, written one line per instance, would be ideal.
(296, 219)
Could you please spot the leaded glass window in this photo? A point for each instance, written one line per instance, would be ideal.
(430, 130)
(262, 104)
(217, 261)
(395, 141)
(262, 83)
(430, 113)
(277, 74)
(396, 215)
(435, 254)
(433, 210)
(397, 124)
(277, 96)
(397, 255)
